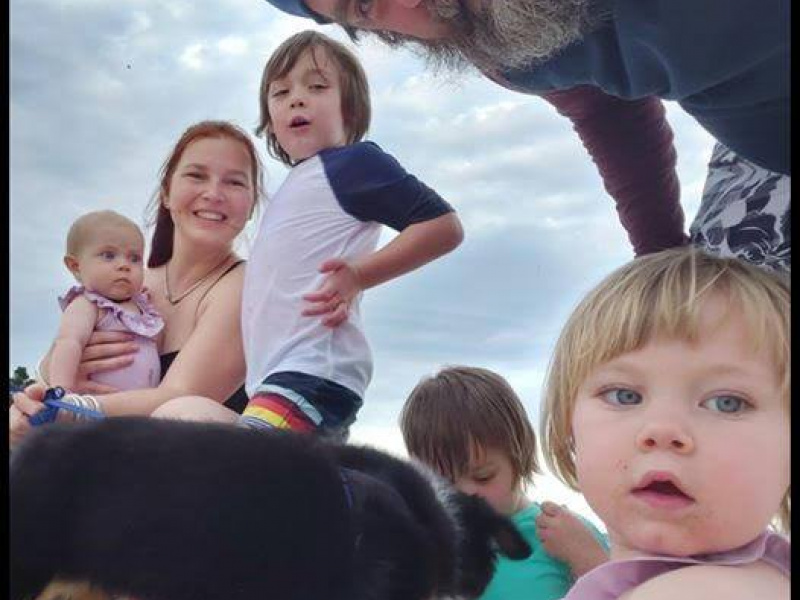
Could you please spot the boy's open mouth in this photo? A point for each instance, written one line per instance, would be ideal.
(298, 122)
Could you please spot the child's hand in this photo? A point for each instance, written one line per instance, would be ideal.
(334, 296)
(566, 537)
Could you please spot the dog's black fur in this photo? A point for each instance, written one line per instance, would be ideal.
(168, 510)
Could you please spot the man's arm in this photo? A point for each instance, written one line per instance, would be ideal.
(631, 143)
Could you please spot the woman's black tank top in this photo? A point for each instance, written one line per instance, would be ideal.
(239, 398)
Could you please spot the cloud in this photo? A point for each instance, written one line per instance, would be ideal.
(101, 90)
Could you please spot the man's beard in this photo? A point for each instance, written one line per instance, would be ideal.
(501, 34)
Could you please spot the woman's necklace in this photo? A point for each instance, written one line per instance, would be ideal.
(191, 288)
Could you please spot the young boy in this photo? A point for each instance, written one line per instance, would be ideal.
(308, 360)
(469, 426)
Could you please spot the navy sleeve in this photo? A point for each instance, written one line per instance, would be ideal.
(725, 61)
(372, 186)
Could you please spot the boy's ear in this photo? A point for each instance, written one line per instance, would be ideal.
(72, 264)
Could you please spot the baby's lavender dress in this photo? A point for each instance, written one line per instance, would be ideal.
(145, 371)
(612, 579)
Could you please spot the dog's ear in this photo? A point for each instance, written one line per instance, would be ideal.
(508, 541)
(504, 537)
(484, 535)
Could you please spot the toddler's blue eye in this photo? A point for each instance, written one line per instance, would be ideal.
(108, 255)
(622, 397)
(725, 404)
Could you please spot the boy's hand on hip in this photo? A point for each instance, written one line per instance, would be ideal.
(332, 299)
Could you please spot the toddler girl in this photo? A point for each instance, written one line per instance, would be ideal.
(667, 405)
(469, 426)
(104, 253)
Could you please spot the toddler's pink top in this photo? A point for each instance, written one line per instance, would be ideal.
(145, 371)
(612, 579)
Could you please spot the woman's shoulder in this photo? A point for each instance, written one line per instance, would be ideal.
(700, 582)
(226, 288)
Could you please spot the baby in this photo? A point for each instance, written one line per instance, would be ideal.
(667, 406)
(104, 254)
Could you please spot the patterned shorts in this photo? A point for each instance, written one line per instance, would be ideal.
(303, 403)
(745, 212)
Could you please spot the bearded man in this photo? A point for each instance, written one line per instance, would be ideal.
(606, 64)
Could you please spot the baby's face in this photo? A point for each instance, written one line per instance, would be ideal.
(111, 262)
(684, 448)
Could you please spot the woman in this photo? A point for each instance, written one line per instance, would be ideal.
(208, 190)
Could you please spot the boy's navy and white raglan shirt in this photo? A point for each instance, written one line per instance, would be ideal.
(331, 205)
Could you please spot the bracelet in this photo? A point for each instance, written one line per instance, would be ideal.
(86, 407)
(80, 407)
(39, 376)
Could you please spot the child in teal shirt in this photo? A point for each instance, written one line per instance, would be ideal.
(469, 426)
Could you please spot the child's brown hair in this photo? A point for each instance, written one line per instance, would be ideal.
(356, 111)
(449, 415)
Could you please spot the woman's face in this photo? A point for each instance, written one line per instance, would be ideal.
(211, 192)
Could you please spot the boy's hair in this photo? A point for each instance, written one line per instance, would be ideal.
(164, 232)
(451, 414)
(658, 295)
(356, 111)
(86, 225)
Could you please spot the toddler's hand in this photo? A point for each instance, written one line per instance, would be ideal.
(566, 537)
(337, 291)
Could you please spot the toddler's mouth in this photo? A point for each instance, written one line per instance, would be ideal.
(298, 122)
(666, 488)
(661, 487)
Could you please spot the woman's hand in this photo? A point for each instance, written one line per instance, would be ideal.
(25, 405)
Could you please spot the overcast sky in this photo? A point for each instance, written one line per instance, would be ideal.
(101, 90)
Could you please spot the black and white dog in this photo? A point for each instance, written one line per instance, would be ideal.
(169, 510)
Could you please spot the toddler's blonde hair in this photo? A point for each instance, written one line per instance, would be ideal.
(659, 295)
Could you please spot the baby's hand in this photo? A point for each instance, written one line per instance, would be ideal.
(566, 537)
(337, 291)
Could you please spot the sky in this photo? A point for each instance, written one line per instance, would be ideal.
(101, 90)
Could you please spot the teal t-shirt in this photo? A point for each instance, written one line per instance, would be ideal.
(538, 577)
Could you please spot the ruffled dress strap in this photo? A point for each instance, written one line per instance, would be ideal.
(72, 293)
(146, 323)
